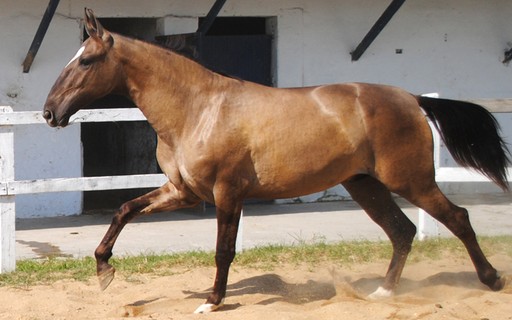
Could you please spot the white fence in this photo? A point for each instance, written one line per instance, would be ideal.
(9, 188)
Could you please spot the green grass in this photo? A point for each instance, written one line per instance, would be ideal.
(32, 272)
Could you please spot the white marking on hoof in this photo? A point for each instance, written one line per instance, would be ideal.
(209, 307)
(381, 293)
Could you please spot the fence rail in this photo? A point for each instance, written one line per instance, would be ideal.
(9, 188)
(81, 184)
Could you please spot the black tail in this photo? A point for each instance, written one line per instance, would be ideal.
(471, 134)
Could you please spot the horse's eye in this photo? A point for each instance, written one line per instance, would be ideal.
(84, 62)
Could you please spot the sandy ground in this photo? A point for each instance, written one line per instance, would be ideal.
(444, 289)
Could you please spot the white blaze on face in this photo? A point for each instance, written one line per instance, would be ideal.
(77, 55)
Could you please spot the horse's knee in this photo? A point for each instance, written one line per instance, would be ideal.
(124, 209)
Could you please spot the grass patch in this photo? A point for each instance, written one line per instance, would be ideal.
(269, 257)
(32, 272)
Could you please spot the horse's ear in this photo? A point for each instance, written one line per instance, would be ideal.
(92, 25)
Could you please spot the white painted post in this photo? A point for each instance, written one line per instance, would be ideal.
(7, 206)
(427, 226)
(239, 246)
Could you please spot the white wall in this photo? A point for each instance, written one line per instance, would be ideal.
(40, 152)
(451, 47)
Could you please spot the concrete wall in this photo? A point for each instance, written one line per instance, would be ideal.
(451, 47)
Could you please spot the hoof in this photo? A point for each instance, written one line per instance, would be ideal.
(380, 293)
(501, 283)
(507, 283)
(105, 277)
(208, 307)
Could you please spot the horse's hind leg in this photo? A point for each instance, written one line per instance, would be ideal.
(376, 200)
(164, 198)
(456, 219)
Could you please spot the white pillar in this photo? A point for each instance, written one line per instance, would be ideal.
(239, 246)
(176, 25)
(7, 206)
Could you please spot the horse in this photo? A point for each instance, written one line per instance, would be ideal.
(222, 140)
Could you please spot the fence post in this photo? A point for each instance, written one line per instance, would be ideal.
(7, 205)
(239, 245)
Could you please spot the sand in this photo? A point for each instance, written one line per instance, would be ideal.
(444, 289)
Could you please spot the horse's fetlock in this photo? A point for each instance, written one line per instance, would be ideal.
(490, 278)
(101, 255)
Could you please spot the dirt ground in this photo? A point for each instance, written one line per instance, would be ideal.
(442, 289)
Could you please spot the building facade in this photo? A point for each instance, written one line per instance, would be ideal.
(455, 48)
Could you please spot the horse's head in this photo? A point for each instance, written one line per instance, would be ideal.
(93, 73)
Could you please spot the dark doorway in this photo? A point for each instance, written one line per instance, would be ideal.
(240, 47)
(120, 148)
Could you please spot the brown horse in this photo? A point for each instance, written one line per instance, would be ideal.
(222, 140)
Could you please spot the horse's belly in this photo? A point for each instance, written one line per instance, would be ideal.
(297, 177)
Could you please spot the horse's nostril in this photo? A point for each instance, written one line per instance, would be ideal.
(47, 114)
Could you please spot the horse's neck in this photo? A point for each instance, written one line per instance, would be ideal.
(167, 87)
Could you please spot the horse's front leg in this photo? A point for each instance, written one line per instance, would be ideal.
(165, 198)
(227, 230)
